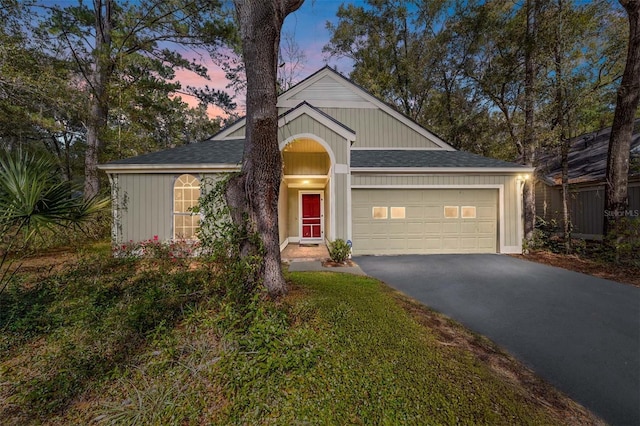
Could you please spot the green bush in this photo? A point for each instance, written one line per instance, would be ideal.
(339, 250)
(625, 242)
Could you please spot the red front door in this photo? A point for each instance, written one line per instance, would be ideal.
(311, 216)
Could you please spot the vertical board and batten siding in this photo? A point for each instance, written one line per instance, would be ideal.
(305, 124)
(306, 163)
(282, 217)
(548, 202)
(340, 200)
(327, 89)
(375, 128)
(292, 212)
(587, 210)
(146, 205)
(327, 212)
(512, 221)
(586, 205)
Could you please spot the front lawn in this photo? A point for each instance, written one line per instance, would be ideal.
(110, 341)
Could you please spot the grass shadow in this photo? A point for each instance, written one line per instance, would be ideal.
(62, 335)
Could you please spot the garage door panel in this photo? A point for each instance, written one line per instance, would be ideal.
(486, 243)
(415, 213)
(415, 244)
(469, 227)
(433, 212)
(415, 228)
(361, 212)
(397, 228)
(485, 212)
(449, 243)
(487, 228)
(396, 243)
(469, 243)
(450, 228)
(424, 229)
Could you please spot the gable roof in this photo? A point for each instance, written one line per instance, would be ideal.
(328, 121)
(587, 158)
(351, 95)
(363, 160)
(209, 154)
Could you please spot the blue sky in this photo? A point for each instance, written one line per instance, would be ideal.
(308, 25)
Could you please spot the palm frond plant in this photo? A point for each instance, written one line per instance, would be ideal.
(34, 197)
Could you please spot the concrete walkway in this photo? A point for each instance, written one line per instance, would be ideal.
(316, 266)
(579, 332)
(309, 258)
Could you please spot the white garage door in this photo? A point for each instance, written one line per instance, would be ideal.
(400, 221)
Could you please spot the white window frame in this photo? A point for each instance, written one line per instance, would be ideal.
(176, 214)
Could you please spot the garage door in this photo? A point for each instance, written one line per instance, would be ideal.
(400, 221)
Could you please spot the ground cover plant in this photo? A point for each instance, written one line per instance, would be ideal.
(103, 340)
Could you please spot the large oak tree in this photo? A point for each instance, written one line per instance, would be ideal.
(253, 194)
(616, 197)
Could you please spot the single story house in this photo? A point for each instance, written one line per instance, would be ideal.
(587, 172)
(354, 168)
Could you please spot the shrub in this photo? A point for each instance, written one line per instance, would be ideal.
(222, 240)
(625, 242)
(339, 250)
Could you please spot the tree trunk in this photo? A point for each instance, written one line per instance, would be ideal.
(616, 201)
(562, 124)
(98, 82)
(255, 191)
(529, 139)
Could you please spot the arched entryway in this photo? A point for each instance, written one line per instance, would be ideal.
(305, 194)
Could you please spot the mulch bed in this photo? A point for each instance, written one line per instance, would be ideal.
(621, 273)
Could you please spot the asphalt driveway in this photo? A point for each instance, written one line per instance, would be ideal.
(580, 333)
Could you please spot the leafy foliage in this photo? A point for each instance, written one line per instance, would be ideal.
(339, 250)
(33, 196)
(458, 67)
(222, 239)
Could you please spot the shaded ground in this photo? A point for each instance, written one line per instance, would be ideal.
(620, 273)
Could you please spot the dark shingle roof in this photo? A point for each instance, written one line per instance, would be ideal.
(587, 157)
(206, 152)
(427, 158)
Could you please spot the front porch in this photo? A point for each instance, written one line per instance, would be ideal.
(295, 252)
(305, 203)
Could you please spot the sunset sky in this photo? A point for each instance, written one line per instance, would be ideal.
(307, 25)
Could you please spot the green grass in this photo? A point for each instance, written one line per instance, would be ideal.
(358, 358)
(137, 342)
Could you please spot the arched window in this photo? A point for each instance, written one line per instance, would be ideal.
(186, 192)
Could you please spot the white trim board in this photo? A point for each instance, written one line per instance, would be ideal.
(415, 170)
(169, 168)
(501, 202)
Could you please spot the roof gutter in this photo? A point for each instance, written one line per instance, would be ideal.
(169, 168)
(509, 170)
